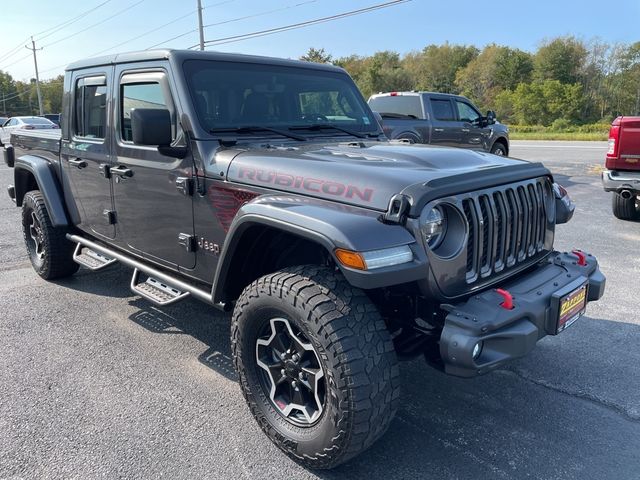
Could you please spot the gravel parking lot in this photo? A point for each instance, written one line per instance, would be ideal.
(95, 382)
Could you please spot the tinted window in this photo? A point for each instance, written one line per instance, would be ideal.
(227, 95)
(138, 95)
(442, 110)
(399, 105)
(90, 108)
(466, 113)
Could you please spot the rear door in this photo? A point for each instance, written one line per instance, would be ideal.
(473, 135)
(85, 151)
(446, 129)
(155, 214)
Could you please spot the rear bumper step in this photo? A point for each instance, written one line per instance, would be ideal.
(615, 181)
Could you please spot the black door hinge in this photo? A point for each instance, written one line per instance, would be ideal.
(110, 215)
(105, 169)
(185, 186)
(188, 242)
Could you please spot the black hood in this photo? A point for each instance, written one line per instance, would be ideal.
(369, 174)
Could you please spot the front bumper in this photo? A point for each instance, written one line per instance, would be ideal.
(509, 334)
(615, 181)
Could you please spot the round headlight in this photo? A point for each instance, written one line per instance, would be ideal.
(433, 227)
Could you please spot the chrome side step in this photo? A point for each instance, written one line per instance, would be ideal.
(159, 276)
(91, 259)
(156, 291)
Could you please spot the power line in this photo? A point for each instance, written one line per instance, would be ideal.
(60, 26)
(16, 61)
(119, 12)
(293, 26)
(13, 51)
(231, 21)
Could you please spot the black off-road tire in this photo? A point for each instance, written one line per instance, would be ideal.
(355, 351)
(56, 259)
(624, 208)
(499, 149)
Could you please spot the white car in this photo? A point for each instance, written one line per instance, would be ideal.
(24, 123)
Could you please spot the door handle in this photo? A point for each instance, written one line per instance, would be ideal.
(438, 129)
(465, 130)
(121, 171)
(78, 163)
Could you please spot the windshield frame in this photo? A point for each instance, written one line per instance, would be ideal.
(368, 126)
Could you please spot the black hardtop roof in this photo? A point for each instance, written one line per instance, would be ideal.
(182, 55)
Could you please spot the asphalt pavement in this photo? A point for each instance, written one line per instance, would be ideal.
(97, 383)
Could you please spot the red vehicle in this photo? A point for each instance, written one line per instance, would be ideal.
(622, 173)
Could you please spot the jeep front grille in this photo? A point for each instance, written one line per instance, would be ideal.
(507, 226)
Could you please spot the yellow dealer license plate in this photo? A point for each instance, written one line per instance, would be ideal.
(572, 307)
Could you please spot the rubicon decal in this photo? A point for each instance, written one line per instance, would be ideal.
(313, 185)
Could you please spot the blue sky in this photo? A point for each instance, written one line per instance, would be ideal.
(402, 28)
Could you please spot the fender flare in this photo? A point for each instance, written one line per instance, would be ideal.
(45, 177)
(331, 226)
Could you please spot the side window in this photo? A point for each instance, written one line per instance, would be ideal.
(90, 107)
(138, 95)
(442, 110)
(466, 113)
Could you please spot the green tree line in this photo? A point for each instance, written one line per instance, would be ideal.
(21, 98)
(566, 81)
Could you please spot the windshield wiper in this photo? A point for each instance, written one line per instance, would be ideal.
(256, 128)
(324, 126)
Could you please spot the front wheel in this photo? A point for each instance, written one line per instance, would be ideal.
(499, 149)
(316, 364)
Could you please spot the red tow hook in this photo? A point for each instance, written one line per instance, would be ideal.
(507, 304)
(582, 257)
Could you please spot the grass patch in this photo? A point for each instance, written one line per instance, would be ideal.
(558, 136)
(560, 131)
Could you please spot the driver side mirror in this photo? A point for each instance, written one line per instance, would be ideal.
(150, 126)
(491, 117)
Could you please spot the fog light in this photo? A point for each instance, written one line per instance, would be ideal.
(477, 350)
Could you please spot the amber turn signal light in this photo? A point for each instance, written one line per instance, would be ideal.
(350, 259)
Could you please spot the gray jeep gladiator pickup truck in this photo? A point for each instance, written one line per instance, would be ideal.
(439, 119)
(265, 187)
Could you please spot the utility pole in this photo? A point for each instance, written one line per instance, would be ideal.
(200, 29)
(35, 62)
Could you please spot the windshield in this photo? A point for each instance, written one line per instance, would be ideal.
(231, 95)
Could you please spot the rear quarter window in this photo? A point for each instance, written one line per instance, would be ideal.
(400, 105)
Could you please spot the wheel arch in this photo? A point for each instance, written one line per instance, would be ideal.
(36, 173)
(267, 236)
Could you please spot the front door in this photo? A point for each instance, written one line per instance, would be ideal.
(154, 215)
(446, 130)
(474, 135)
(85, 153)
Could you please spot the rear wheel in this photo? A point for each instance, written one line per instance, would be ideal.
(625, 208)
(316, 364)
(50, 252)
